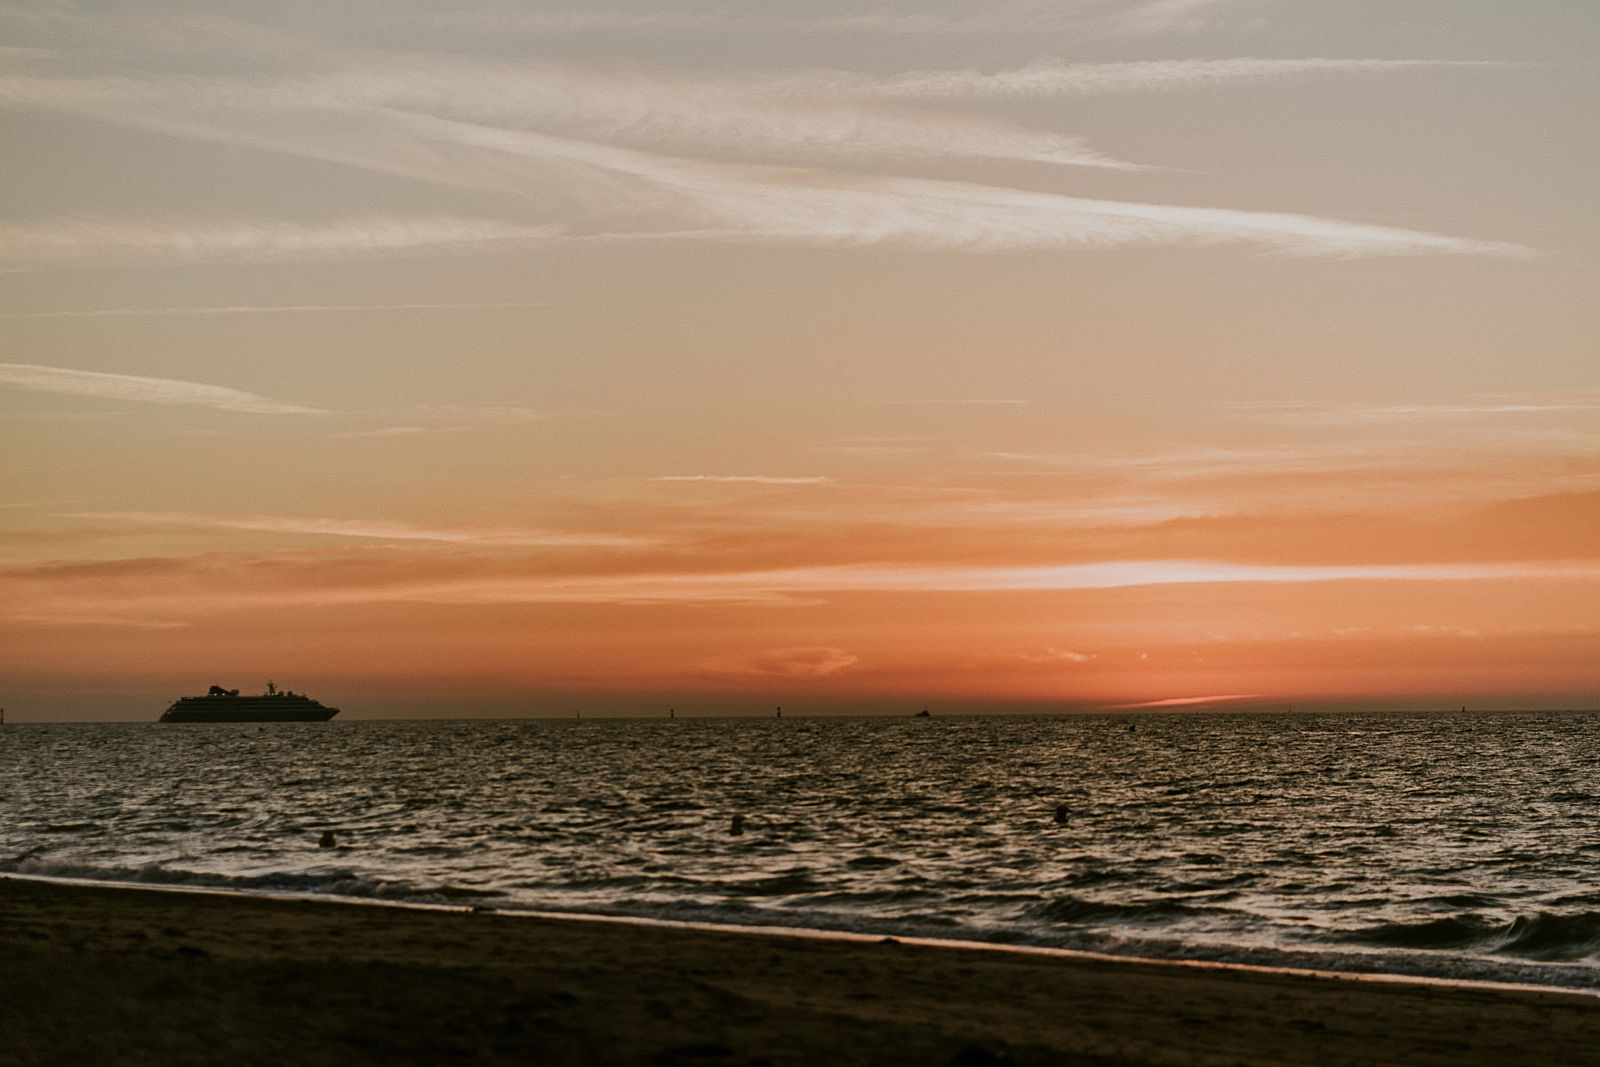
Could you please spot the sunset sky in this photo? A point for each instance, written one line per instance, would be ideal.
(524, 359)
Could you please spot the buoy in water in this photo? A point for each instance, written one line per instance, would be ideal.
(327, 840)
(1061, 814)
(736, 827)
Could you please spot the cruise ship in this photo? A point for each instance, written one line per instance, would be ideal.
(226, 705)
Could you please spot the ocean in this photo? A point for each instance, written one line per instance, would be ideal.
(1452, 845)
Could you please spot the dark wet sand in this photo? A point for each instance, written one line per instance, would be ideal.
(93, 975)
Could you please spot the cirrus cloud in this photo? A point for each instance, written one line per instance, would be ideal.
(67, 239)
(794, 663)
(143, 390)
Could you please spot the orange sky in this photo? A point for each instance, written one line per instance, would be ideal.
(1171, 355)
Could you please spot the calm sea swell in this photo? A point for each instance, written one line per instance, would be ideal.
(1453, 845)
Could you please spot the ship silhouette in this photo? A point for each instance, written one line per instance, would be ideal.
(226, 705)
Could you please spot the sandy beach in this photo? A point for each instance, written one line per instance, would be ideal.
(110, 975)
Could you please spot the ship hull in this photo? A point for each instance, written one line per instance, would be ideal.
(248, 709)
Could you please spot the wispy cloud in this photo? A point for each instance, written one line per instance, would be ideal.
(454, 418)
(1031, 20)
(744, 479)
(958, 403)
(676, 156)
(177, 589)
(265, 309)
(754, 114)
(142, 390)
(1183, 702)
(743, 116)
(1125, 574)
(1073, 19)
(369, 529)
(778, 206)
(791, 663)
(92, 618)
(1162, 16)
(70, 239)
(1051, 78)
(407, 430)
(1051, 655)
(735, 202)
(877, 447)
(1441, 470)
(1329, 414)
(1204, 462)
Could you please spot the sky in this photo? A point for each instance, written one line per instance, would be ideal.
(531, 359)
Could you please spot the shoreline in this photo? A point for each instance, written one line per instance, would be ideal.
(1297, 969)
(1111, 712)
(115, 972)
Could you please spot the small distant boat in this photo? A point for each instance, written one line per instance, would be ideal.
(226, 705)
(923, 714)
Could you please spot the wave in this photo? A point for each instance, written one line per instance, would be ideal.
(1544, 936)
(1539, 936)
(785, 883)
(335, 883)
(1068, 908)
(1449, 932)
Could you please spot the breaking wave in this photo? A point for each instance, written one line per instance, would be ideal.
(1539, 936)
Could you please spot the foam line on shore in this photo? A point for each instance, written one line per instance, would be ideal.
(1048, 951)
(814, 934)
(248, 894)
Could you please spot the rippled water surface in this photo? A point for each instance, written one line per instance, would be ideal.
(1453, 844)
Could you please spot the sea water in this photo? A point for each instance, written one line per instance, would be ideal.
(1457, 845)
